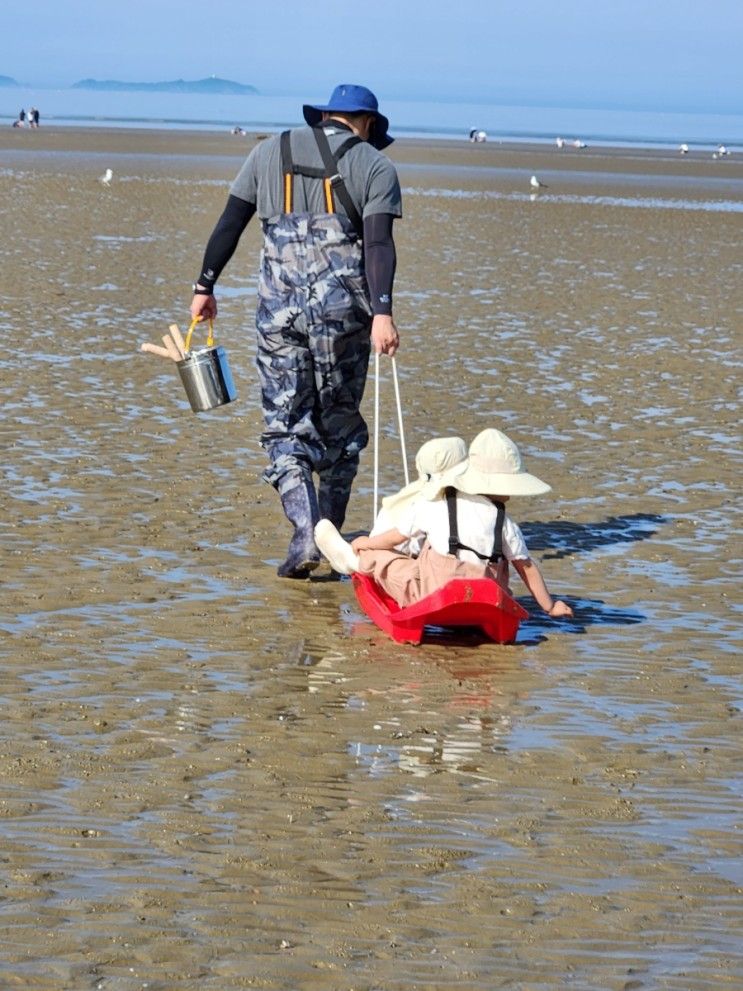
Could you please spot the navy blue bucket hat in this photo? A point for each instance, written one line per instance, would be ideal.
(353, 99)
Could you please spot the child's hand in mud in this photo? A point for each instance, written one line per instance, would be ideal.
(560, 608)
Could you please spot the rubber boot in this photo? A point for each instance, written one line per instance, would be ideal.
(299, 500)
(334, 490)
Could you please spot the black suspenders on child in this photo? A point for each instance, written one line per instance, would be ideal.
(332, 179)
(454, 542)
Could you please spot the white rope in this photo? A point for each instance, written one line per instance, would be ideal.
(376, 434)
(376, 431)
(400, 423)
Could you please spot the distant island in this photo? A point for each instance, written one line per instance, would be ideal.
(209, 86)
(7, 81)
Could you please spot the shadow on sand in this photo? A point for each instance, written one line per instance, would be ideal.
(587, 612)
(561, 539)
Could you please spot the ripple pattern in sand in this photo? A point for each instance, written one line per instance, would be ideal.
(216, 780)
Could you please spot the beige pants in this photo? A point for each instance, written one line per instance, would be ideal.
(409, 579)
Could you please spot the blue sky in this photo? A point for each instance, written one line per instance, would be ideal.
(655, 54)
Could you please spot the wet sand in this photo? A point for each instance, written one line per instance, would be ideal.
(215, 779)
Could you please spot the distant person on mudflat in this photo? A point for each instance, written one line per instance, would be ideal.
(327, 199)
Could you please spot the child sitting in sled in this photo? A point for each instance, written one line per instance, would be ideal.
(465, 531)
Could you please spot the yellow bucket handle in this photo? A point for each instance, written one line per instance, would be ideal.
(210, 338)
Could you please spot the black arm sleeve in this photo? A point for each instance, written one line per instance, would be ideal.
(225, 236)
(380, 260)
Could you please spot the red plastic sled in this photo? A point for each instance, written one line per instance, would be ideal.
(479, 602)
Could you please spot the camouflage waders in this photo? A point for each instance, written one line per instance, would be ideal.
(313, 323)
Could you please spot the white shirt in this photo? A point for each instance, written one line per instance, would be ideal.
(385, 522)
(476, 516)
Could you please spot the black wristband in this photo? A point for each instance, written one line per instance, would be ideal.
(198, 291)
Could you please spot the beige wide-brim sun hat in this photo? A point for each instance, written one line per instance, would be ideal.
(433, 462)
(494, 468)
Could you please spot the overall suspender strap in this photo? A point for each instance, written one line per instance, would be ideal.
(500, 519)
(287, 170)
(454, 542)
(333, 180)
(451, 505)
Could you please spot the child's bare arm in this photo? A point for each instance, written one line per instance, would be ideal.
(532, 578)
(381, 542)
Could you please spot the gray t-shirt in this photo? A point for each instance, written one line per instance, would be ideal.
(369, 176)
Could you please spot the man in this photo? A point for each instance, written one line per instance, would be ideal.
(327, 199)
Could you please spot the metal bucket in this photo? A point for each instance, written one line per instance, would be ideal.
(207, 378)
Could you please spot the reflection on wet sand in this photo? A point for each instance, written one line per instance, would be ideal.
(216, 780)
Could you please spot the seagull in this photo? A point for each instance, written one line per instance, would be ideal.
(579, 144)
(107, 177)
(560, 142)
(684, 149)
(722, 151)
(536, 184)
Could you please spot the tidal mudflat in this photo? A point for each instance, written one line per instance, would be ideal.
(213, 779)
